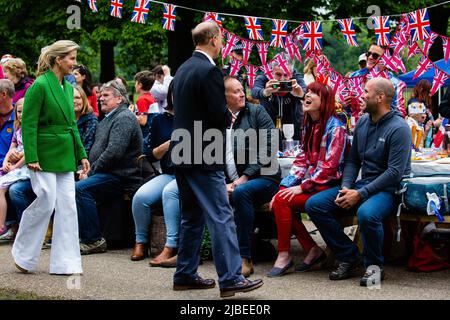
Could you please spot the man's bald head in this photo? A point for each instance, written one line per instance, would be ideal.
(385, 86)
(204, 32)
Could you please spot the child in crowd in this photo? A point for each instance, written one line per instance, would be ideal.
(146, 104)
(15, 171)
(417, 114)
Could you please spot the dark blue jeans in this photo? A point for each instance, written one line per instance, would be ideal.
(371, 213)
(21, 195)
(255, 192)
(98, 187)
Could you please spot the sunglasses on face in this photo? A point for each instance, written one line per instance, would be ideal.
(373, 54)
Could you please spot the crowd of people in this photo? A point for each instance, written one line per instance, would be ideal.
(67, 145)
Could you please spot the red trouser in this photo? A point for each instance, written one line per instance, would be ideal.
(288, 224)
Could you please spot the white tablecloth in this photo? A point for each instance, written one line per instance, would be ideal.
(417, 168)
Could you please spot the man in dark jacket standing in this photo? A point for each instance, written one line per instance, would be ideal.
(381, 149)
(282, 105)
(113, 158)
(200, 107)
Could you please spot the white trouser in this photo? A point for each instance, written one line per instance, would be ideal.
(55, 192)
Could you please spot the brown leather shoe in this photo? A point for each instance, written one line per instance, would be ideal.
(169, 263)
(198, 283)
(166, 254)
(247, 268)
(140, 252)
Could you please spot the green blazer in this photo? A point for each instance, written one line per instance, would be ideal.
(49, 129)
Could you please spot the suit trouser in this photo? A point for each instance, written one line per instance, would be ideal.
(55, 192)
(203, 198)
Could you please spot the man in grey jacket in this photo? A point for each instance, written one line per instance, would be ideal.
(381, 149)
(113, 158)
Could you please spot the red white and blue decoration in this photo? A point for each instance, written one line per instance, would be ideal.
(93, 5)
(253, 26)
(116, 8)
(382, 30)
(312, 35)
(438, 81)
(419, 25)
(263, 48)
(169, 16)
(348, 30)
(279, 33)
(213, 16)
(140, 11)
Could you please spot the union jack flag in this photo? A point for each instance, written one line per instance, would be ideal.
(236, 66)
(279, 33)
(376, 73)
(140, 11)
(213, 16)
(398, 61)
(382, 29)
(446, 45)
(116, 8)
(387, 60)
(282, 62)
(413, 50)
(263, 48)
(438, 81)
(419, 25)
(422, 67)
(267, 71)
(348, 30)
(251, 75)
(169, 16)
(253, 28)
(312, 36)
(232, 41)
(292, 49)
(246, 50)
(335, 79)
(93, 5)
(428, 42)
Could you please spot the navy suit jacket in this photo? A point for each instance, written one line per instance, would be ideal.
(199, 95)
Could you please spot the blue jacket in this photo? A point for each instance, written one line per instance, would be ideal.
(382, 151)
(87, 124)
(6, 134)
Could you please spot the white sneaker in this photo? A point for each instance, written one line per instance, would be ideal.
(8, 235)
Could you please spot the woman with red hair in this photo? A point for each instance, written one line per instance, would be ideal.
(317, 167)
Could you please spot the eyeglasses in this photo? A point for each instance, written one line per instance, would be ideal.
(373, 54)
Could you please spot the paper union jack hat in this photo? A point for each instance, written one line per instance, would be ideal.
(416, 107)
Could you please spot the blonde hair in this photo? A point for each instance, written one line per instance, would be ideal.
(86, 106)
(17, 122)
(17, 67)
(49, 54)
(309, 67)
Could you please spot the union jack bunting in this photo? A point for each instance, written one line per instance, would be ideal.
(422, 67)
(388, 61)
(348, 30)
(246, 50)
(413, 50)
(93, 5)
(323, 66)
(419, 25)
(292, 49)
(253, 26)
(355, 86)
(398, 62)
(377, 73)
(140, 11)
(267, 71)
(279, 33)
(428, 42)
(213, 16)
(382, 29)
(251, 75)
(446, 45)
(263, 48)
(231, 42)
(342, 91)
(438, 81)
(236, 66)
(169, 16)
(312, 36)
(335, 80)
(282, 63)
(116, 8)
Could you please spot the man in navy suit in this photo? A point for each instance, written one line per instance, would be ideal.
(200, 106)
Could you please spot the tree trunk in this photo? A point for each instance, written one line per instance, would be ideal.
(107, 66)
(180, 44)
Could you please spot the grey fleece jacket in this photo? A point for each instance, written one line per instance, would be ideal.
(117, 145)
(382, 150)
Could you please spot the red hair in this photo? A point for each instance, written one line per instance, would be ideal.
(327, 110)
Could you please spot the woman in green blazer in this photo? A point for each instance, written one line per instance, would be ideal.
(53, 149)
